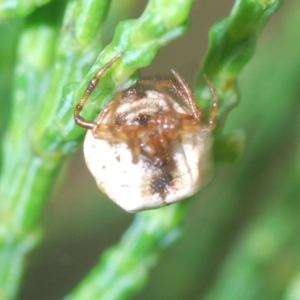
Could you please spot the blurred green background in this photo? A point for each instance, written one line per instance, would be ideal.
(241, 236)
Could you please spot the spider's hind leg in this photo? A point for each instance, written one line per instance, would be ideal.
(212, 121)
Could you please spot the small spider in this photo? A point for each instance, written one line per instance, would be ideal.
(146, 149)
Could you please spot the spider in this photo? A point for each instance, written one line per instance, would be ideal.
(146, 149)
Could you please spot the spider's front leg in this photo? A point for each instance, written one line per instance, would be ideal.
(182, 89)
(92, 85)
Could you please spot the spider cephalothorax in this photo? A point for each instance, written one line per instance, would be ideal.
(146, 149)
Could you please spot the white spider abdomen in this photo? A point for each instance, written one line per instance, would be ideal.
(146, 184)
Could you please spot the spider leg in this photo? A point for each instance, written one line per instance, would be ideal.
(134, 145)
(92, 85)
(100, 130)
(212, 122)
(104, 126)
(168, 83)
(183, 88)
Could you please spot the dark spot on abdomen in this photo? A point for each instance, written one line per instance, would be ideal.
(160, 184)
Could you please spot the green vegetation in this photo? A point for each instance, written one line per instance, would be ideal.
(246, 245)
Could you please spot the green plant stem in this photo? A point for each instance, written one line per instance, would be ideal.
(124, 268)
(264, 244)
(232, 44)
(19, 8)
(27, 175)
(265, 254)
(22, 171)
